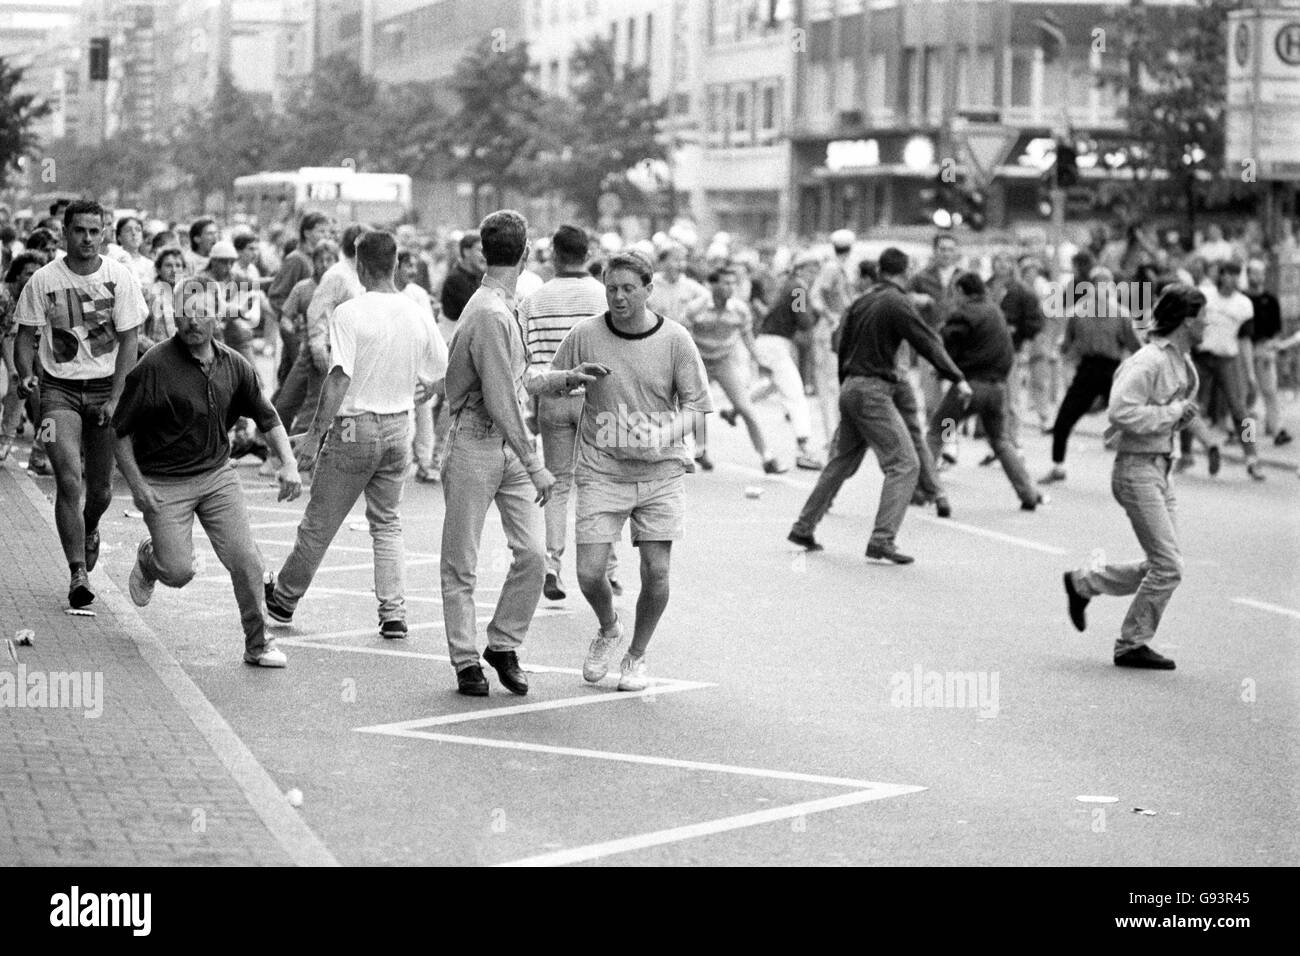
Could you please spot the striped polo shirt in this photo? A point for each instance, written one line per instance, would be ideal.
(549, 313)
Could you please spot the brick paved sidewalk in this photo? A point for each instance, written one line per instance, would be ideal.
(158, 777)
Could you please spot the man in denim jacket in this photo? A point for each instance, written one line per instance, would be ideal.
(1152, 399)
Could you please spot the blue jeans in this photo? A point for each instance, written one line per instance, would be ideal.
(480, 470)
(363, 454)
(988, 401)
(218, 501)
(1140, 483)
(868, 418)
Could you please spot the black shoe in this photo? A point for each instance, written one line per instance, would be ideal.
(704, 462)
(805, 541)
(1255, 469)
(506, 664)
(771, 467)
(274, 609)
(988, 459)
(393, 629)
(1077, 603)
(1033, 505)
(1283, 437)
(615, 587)
(1146, 658)
(888, 553)
(79, 592)
(728, 415)
(1215, 458)
(552, 589)
(942, 507)
(92, 550)
(471, 682)
(948, 457)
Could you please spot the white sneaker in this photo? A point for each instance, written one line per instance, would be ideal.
(138, 584)
(596, 666)
(271, 656)
(634, 674)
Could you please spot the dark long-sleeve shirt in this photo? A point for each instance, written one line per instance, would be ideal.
(296, 267)
(876, 324)
(1020, 307)
(979, 341)
(1106, 335)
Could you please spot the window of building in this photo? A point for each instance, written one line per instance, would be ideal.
(963, 76)
(909, 82)
(649, 39)
(846, 84)
(741, 116)
(877, 83)
(1022, 77)
(769, 111)
(980, 84)
(932, 90)
(631, 42)
(715, 120)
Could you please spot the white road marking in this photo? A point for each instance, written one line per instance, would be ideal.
(994, 535)
(357, 632)
(217, 578)
(263, 525)
(414, 728)
(530, 668)
(1265, 606)
(349, 548)
(643, 841)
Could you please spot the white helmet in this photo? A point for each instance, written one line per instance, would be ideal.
(843, 238)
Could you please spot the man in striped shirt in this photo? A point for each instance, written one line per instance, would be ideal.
(547, 316)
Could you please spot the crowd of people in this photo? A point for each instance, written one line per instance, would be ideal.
(138, 343)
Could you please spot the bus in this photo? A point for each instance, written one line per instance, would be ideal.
(341, 193)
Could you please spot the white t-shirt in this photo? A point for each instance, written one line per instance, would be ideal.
(386, 345)
(1224, 317)
(671, 299)
(528, 283)
(84, 315)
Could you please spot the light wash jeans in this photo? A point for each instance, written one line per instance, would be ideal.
(781, 355)
(868, 418)
(479, 470)
(218, 500)
(431, 421)
(1266, 375)
(826, 375)
(363, 454)
(1141, 484)
(557, 419)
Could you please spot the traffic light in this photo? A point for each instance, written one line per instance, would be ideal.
(939, 202)
(974, 202)
(99, 58)
(1045, 195)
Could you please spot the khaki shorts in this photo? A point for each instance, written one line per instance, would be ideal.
(657, 509)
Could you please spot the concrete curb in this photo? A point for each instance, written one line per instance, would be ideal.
(303, 847)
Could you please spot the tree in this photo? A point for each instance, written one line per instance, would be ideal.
(498, 129)
(331, 118)
(18, 113)
(614, 127)
(410, 126)
(222, 140)
(125, 163)
(1175, 82)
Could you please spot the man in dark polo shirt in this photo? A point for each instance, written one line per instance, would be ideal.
(173, 448)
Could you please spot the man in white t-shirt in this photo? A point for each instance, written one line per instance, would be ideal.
(90, 308)
(383, 352)
(1219, 364)
(674, 291)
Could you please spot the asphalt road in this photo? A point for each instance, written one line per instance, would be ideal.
(779, 731)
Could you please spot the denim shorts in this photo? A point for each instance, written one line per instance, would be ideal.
(84, 397)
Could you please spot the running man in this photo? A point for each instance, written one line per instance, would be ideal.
(1151, 401)
(173, 446)
(91, 308)
(874, 328)
(383, 349)
(723, 330)
(632, 454)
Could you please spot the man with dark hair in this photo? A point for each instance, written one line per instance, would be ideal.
(91, 309)
(978, 340)
(873, 329)
(464, 278)
(173, 449)
(778, 350)
(547, 317)
(933, 292)
(1151, 401)
(297, 266)
(339, 284)
(491, 459)
(203, 236)
(632, 458)
(383, 350)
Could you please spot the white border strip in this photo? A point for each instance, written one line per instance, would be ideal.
(1265, 606)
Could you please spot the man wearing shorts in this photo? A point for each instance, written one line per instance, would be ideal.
(91, 308)
(632, 455)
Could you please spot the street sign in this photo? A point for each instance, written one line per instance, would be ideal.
(984, 147)
(1263, 95)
